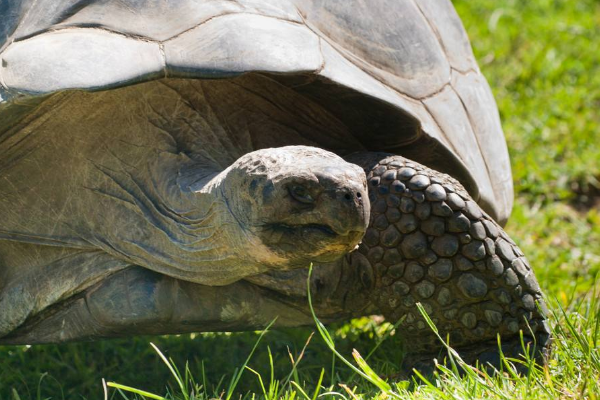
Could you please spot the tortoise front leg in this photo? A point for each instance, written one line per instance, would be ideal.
(429, 242)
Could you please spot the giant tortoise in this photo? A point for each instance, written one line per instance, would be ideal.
(170, 167)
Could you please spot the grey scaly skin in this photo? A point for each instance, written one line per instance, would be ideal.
(427, 242)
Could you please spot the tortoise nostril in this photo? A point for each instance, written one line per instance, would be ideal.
(358, 195)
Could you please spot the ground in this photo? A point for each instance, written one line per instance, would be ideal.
(541, 58)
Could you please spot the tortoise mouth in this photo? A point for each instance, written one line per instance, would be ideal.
(309, 241)
(302, 244)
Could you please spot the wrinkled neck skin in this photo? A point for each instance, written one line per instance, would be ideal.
(238, 251)
(183, 230)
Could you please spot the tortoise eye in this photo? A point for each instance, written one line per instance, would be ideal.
(300, 193)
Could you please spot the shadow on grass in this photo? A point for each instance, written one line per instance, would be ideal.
(76, 369)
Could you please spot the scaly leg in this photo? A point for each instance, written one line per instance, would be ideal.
(429, 242)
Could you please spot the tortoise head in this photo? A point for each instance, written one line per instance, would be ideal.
(304, 204)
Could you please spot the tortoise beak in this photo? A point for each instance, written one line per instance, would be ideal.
(352, 212)
(348, 204)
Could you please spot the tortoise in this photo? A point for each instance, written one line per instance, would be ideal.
(171, 167)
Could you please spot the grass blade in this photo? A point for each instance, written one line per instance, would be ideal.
(238, 374)
(140, 392)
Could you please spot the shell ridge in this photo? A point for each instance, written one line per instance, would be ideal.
(23, 17)
(477, 138)
(442, 136)
(74, 28)
(226, 14)
(438, 36)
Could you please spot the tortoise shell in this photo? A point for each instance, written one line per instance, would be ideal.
(400, 73)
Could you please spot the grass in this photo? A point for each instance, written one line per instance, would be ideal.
(541, 58)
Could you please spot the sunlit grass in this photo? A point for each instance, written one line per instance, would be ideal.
(573, 371)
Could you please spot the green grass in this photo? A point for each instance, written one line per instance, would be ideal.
(541, 58)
